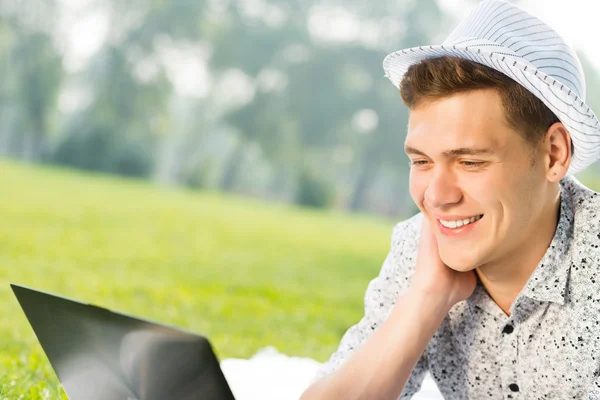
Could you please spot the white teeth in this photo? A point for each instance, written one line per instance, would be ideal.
(460, 222)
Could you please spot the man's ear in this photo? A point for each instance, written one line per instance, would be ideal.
(557, 145)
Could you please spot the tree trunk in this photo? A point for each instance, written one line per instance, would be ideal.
(168, 164)
(232, 167)
(366, 175)
(34, 140)
(32, 147)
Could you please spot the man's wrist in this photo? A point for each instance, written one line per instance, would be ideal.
(430, 301)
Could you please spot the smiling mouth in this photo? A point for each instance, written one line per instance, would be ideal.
(460, 223)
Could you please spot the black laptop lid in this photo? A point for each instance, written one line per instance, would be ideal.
(98, 354)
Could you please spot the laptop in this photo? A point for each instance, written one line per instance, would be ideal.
(99, 354)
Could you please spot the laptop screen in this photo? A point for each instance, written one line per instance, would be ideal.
(98, 354)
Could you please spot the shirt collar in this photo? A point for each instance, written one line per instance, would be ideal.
(549, 280)
(481, 299)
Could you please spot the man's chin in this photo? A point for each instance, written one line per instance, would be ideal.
(460, 264)
(462, 267)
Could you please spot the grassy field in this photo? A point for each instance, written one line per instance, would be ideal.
(245, 273)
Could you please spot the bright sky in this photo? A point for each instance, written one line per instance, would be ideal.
(575, 20)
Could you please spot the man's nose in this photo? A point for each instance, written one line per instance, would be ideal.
(442, 189)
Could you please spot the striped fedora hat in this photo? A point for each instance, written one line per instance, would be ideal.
(502, 36)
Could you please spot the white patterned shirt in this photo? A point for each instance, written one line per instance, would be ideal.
(549, 348)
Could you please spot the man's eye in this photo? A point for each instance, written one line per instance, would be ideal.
(472, 163)
(417, 162)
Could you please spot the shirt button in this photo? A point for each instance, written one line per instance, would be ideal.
(513, 387)
(508, 329)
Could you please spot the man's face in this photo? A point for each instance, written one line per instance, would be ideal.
(466, 163)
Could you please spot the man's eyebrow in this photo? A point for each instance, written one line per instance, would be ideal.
(461, 151)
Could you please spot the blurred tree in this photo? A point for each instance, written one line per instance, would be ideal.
(120, 130)
(31, 74)
(116, 132)
(313, 191)
(254, 46)
(592, 81)
(326, 83)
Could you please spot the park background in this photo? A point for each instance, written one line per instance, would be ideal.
(232, 167)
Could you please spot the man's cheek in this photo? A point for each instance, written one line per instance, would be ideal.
(417, 193)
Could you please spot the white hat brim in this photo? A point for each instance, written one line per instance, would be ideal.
(571, 110)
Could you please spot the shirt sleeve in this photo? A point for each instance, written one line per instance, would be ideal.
(380, 298)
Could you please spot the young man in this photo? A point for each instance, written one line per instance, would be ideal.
(494, 288)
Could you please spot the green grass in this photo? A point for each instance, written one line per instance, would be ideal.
(245, 273)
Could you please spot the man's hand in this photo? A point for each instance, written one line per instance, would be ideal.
(433, 277)
(382, 366)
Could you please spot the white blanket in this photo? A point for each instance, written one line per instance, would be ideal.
(270, 375)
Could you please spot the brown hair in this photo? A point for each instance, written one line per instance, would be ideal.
(436, 78)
